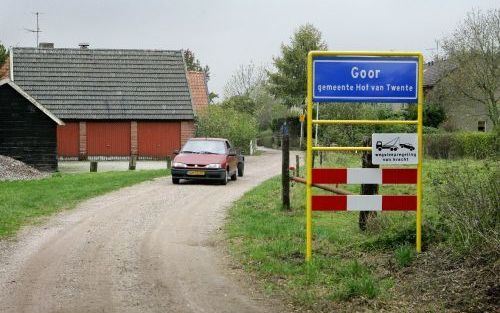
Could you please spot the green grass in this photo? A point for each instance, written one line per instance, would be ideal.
(23, 202)
(347, 263)
(404, 255)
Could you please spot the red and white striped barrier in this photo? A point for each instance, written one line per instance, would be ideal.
(364, 176)
(364, 203)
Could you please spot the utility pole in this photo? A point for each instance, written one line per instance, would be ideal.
(285, 167)
(37, 29)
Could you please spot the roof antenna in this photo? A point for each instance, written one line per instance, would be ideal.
(435, 50)
(37, 30)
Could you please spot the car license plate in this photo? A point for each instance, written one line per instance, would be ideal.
(196, 173)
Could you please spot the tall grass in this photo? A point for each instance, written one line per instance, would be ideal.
(469, 206)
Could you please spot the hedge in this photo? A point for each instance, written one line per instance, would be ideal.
(476, 145)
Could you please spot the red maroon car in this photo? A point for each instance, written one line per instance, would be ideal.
(207, 159)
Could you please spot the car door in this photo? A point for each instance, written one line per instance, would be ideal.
(232, 158)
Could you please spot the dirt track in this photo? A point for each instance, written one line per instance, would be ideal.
(146, 248)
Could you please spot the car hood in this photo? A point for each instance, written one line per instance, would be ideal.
(200, 159)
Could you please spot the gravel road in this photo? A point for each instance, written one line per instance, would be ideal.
(152, 247)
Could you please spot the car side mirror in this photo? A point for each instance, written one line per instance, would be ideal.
(176, 152)
(232, 152)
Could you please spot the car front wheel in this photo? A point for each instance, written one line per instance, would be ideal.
(225, 179)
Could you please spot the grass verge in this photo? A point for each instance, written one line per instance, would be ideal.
(23, 202)
(351, 271)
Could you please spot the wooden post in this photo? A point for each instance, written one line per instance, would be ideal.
(169, 162)
(367, 189)
(285, 174)
(321, 158)
(93, 166)
(297, 166)
(132, 162)
(324, 187)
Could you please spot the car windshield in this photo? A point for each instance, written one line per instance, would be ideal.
(204, 146)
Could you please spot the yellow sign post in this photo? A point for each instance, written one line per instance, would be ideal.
(362, 75)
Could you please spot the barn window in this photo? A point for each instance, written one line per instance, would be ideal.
(481, 126)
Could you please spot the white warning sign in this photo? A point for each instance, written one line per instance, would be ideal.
(395, 148)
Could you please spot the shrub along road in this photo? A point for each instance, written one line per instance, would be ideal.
(146, 248)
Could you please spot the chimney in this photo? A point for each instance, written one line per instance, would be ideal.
(84, 45)
(46, 45)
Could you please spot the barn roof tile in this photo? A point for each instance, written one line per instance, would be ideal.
(106, 83)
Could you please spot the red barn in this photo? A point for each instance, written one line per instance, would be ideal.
(115, 103)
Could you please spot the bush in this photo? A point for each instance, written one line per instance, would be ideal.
(468, 207)
(243, 104)
(265, 138)
(475, 145)
(438, 146)
(216, 121)
(432, 130)
(433, 114)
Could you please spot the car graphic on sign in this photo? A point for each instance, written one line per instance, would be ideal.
(407, 146)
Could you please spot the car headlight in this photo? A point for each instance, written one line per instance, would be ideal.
(177, 164)
(213, 165)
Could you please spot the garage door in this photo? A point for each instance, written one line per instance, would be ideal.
(108, 138)
(158, 139)
(68, 139)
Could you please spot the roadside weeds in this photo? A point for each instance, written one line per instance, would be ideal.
(352, 271)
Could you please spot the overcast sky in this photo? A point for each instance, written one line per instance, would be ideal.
(226, 33)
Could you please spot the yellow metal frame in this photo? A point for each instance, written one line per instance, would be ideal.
(310, 122)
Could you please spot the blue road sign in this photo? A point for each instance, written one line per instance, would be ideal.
(365, 79)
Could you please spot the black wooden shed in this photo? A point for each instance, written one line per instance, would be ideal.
(28, 131)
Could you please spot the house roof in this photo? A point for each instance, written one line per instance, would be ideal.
(432, 74)
(104, 83)
(30, 99)
(435, 71)
(199, 90)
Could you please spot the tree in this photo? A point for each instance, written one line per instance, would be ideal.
(217, 121)
(193, 64)
(4, 53)
(267, 107)
(473, 54)
(247, 92)
(212, 96)
(244, 80)
(289, 82)
(433, 113)
(243, 104)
